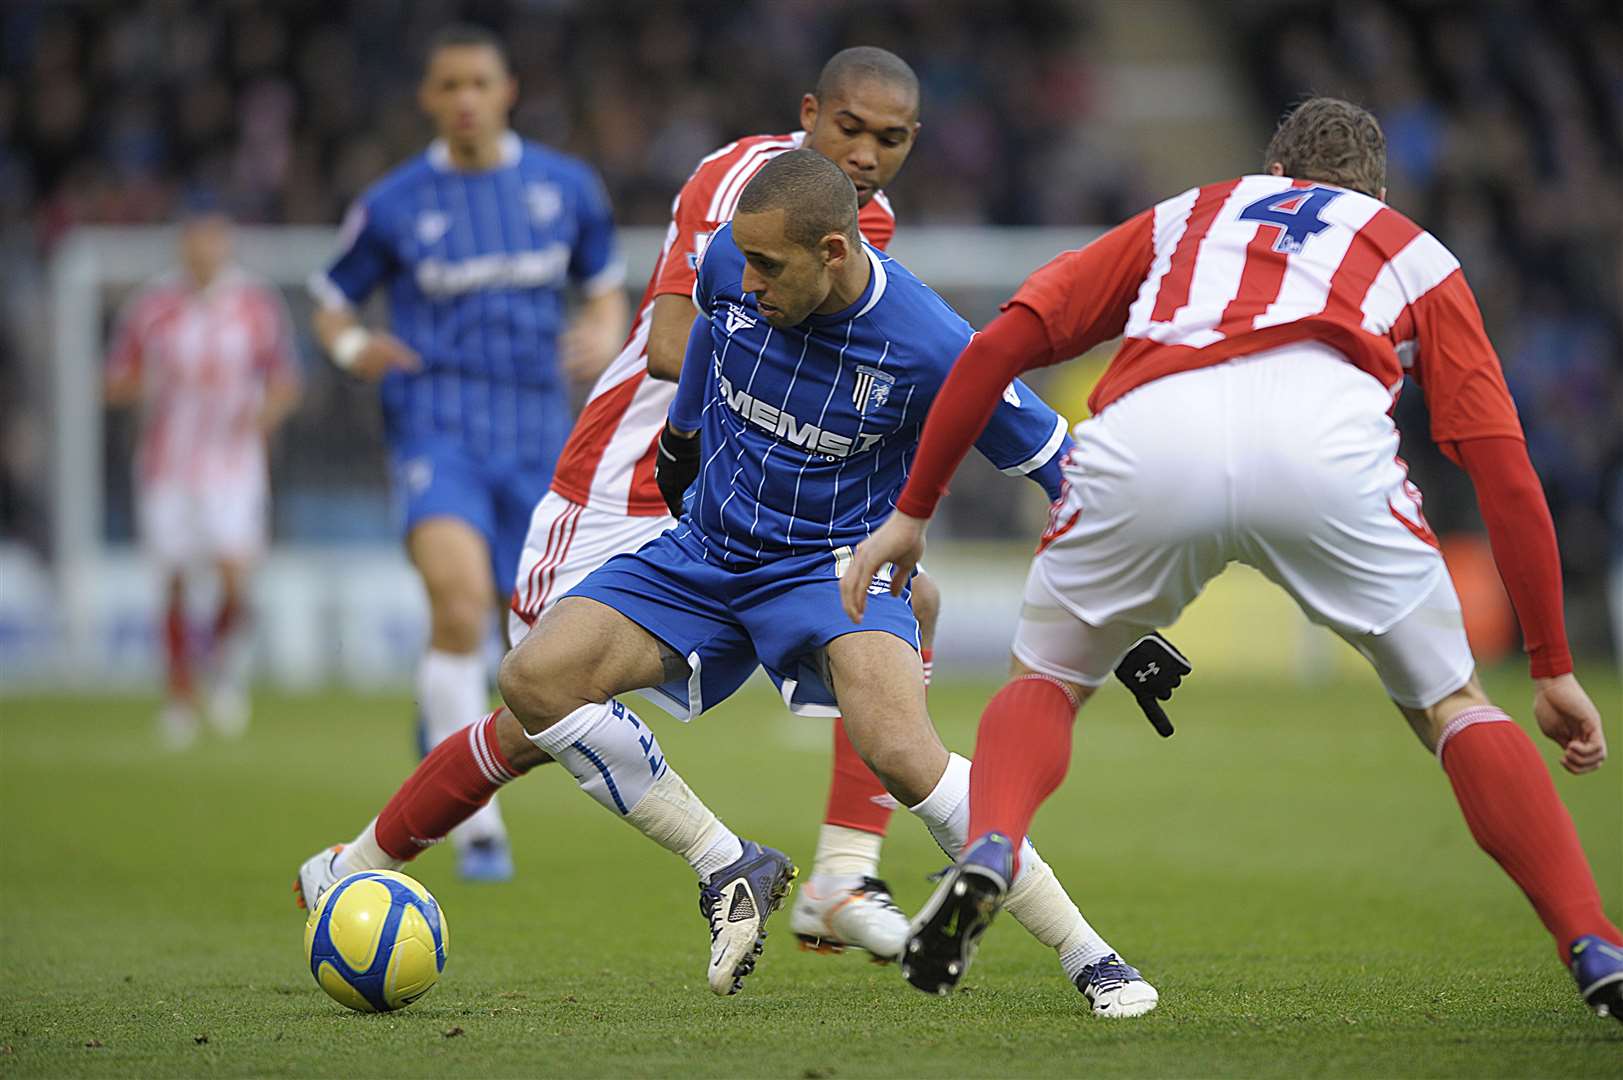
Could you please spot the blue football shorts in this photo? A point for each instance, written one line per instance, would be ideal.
(728, 619)
(441, 478)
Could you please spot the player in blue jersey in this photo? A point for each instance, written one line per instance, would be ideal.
(478, 242)
(805, 385)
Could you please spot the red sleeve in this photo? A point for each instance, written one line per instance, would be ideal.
(678, 269)
(1013, 342)
(1457, 369)
(1082, 296)
(1523, 540)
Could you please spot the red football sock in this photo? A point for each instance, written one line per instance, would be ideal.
(1513, 810)
(175, 650)
(456, 778)
(1022, 752)
(856, 798)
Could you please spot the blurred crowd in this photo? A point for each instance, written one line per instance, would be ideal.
(1504, 121)
(1504, 126)
(287, 108)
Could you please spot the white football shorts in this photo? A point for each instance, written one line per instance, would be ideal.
(568, 540)
(185, 524)
(1285, 460)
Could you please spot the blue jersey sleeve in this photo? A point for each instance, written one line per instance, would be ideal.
(595, 263)
(1025, 437)
(687, 409)
(1048, 474)
(364, 258)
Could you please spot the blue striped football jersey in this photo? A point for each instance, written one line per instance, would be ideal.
(807, 434)
(476, 266)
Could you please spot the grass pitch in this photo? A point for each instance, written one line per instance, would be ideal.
(1290, 870)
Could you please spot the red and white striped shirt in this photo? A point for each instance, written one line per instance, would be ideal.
(608, 462)
(1251, 264)
(204, 358)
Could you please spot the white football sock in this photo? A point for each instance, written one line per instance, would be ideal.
(363, 853)
(452, 692)
(846, 853)
(1036, 899)
(616, 759)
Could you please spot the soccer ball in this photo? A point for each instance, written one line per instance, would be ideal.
(376, 942)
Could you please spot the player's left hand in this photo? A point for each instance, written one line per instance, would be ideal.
(900, 540)
(1565, 714)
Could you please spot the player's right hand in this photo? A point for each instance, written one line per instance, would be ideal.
(900, 540)
(384, 353)
(1565, 714)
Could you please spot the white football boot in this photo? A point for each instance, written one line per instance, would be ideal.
(736, 901)
(316, 876)
(1116, 989)
(832, 914)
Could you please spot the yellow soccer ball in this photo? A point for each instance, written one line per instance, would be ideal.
(376, 942)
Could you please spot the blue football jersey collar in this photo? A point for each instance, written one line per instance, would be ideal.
(864, 303)
(512, 147)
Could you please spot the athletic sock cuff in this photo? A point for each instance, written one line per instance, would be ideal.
(562, 735)
(950, 790)
(1480, 714)
(487, 751)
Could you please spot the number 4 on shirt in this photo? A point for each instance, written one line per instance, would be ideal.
(1295, 212)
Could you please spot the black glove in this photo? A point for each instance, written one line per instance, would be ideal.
(1152, 668)
(676, 466)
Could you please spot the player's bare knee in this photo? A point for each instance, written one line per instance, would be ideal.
(457, 622)
(537, 685)
(1428, 723)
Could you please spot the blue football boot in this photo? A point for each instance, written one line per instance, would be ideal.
(488, 861)
(1597, 968)
(947, 930)
(736, 902)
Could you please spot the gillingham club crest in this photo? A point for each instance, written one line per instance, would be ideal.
(872, 389)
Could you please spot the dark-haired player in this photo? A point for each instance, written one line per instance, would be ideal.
(1268, 323)
(804, 384)
(478, 241)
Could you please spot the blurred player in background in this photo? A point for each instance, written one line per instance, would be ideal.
(1269, 321)
(862, 115)
(477, 241)
(206, 354)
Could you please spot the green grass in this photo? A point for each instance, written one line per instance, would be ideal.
(1290, 870)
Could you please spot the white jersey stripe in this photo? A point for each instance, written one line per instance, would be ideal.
(1171, 219)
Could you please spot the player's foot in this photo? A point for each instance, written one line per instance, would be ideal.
(487, 860)
(316, 876)
(736, 901)
(229, 711)
(946, 932)
(177, 725)
(1597, 967)
(832, 913)
(1115, 988)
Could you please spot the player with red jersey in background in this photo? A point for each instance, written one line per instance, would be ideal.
(1268, 323)
(206, 353)
(862, 115)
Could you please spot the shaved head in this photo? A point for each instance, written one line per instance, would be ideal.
(866, 63)
(816, 196)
